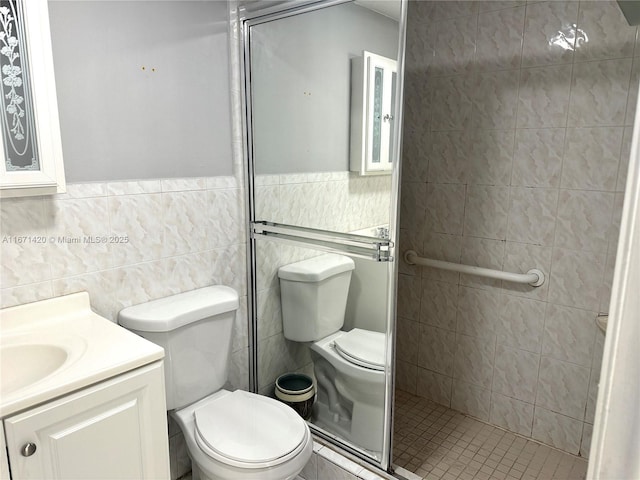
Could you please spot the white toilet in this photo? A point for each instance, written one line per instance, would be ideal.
(229, 435)
(349, 366)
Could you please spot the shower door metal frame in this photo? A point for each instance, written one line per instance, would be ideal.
(246, 21)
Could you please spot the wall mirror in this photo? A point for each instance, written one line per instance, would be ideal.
(310, 75)
(320, 86)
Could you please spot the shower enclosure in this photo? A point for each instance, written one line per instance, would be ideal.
(518, 123)
(517, 132)
(322, 102)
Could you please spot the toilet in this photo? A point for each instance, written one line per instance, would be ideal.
(229, 435)
(349, 366)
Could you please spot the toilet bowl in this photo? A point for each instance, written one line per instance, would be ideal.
(349, 366)
(229, 435)
(352, 364)
(241, 435)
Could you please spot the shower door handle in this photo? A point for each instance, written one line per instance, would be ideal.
(373, 248)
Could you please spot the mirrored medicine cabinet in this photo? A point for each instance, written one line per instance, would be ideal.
(30, 139)
(373, 86)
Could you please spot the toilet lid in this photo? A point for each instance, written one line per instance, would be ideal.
(363, 348)
(244, 428)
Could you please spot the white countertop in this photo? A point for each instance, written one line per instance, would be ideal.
(96, 348)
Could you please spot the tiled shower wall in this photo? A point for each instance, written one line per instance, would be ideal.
(516, 146)
(338, 201)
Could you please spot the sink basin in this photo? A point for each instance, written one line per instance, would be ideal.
(60, 345)
(26, 364)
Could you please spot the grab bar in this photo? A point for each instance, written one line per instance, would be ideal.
(533, 277)
(602, 320)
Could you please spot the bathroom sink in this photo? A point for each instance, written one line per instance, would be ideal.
(59, 345)
(26, 364)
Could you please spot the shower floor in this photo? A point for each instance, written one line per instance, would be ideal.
(437, 443)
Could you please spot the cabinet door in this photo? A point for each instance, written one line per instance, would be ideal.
(114, 430)
(4, 461)
(373, 87)
(381, 75)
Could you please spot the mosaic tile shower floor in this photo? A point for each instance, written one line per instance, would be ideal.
(437, 443)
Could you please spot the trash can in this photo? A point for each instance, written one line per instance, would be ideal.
(297, 391)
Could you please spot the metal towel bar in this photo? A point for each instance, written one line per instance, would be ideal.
(533, 277)
(362, 246)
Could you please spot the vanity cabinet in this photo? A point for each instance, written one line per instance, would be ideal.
(29, 127)
(4, 460)
(115, 429)
(373, 86)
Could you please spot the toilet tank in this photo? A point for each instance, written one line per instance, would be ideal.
(194, 328)
(313, 294)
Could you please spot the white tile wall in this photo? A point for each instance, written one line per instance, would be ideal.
(515, 156)
(512, 414)
(470, 398)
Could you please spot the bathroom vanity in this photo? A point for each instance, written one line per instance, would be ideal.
(80, 397)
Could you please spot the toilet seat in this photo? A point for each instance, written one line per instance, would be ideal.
(249, 431)
(363, 348)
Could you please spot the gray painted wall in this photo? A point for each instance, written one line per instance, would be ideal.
(301, 88)
(121, 119)
(367, 300)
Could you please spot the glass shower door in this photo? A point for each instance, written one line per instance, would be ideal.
(308, 197)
